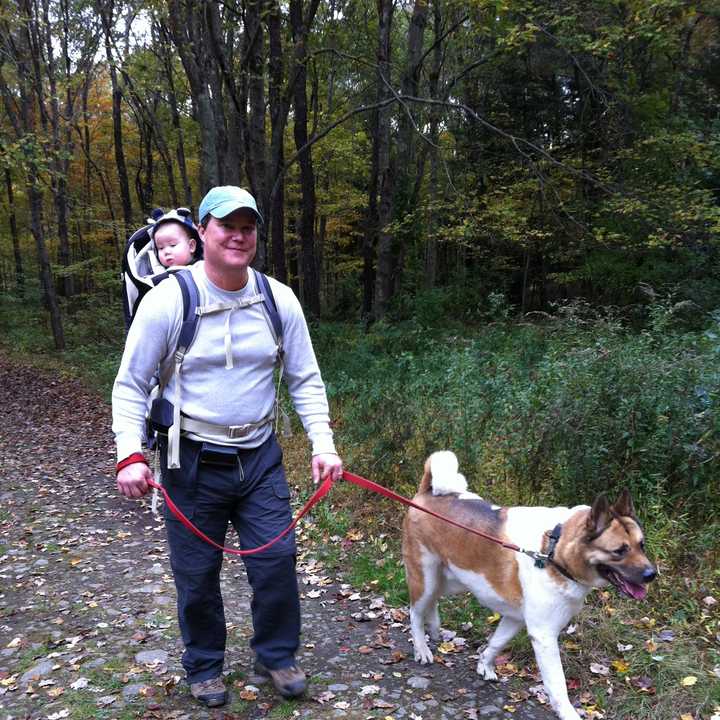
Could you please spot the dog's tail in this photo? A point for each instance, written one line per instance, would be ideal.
(441, 475)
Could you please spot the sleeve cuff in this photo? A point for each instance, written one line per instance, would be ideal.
(323, 443)
(127, 445)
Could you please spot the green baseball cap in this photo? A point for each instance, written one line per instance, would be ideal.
(222, 200)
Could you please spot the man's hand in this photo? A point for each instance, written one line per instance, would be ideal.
(326, 465)
(132, 480)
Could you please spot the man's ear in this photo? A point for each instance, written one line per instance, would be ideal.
(599, 517)
(624, 505)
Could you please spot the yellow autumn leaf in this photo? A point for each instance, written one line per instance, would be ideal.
(446, 647)
(686, 716)
(688, 681)
(492, 618)
(620, 666)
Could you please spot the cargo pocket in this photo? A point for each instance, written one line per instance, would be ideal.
(280, 488)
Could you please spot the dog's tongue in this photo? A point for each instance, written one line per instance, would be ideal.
(633, 590)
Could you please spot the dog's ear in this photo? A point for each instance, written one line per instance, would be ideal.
(599, 517)
(624, 505)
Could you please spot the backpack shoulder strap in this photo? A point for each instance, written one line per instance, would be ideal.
(270, 305)
(191, 300)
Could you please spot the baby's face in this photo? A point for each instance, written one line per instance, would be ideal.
(174, 245)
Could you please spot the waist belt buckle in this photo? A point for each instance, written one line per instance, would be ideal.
(239, 431)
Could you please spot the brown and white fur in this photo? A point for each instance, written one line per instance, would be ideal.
(599, 545)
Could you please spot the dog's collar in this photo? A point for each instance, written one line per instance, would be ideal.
(541, 559)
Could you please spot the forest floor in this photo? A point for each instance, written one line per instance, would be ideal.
(87, 604)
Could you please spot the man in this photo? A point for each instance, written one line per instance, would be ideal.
(226, 382)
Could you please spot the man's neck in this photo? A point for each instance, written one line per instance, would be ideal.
(228, 281)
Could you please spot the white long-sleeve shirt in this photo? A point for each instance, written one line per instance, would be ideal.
(210, 392)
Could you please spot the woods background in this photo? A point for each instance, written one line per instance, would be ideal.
(502, 220)
(539, 150)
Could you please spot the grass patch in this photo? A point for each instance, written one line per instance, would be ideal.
(285, 709)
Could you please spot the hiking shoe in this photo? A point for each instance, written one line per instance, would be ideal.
(211, 692)
(290, 682)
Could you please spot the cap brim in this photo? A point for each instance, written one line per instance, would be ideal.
(229, 206)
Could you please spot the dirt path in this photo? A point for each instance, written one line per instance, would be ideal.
(87, 622)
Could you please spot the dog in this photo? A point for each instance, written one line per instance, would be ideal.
(597, 546)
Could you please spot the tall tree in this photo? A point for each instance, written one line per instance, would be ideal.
(301, 22)
(385, 164)
(106, 11)
(21, 108)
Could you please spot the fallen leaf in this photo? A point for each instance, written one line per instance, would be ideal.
(380, 704)
(446, 647)
(324, 697)
(688, 681)
(599, 669)
(396, 657)
(369, 690)
(643, 684)
(620, 666)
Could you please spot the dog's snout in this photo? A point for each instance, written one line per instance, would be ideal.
(649, 574)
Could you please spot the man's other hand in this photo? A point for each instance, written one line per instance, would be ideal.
(326, 465)
(132, 480)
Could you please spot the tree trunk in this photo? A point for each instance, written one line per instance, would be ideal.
(384, 273)
(300, 28)
(26, 125)
(220, 38)
(106, 12)
(431, 247)
(256, 156)
(19, 271)
(275, 185)
(175, 114)
(187, 27)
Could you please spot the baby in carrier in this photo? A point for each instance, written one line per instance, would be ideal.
(175, 238)
(169, 241)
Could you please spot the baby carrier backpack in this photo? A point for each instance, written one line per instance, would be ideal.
(141, 269)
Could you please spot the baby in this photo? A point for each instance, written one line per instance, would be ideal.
(175, 238)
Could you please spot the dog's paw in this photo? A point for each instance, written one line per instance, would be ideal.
(487, 672)
(423, 655)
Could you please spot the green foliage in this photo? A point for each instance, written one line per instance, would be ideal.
(551, 413)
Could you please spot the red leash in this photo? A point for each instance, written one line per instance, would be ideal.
(318, 495)
(370, 485)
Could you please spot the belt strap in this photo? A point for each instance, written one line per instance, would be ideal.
(229, 432)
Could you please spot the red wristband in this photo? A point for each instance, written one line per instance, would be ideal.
(129, 460)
